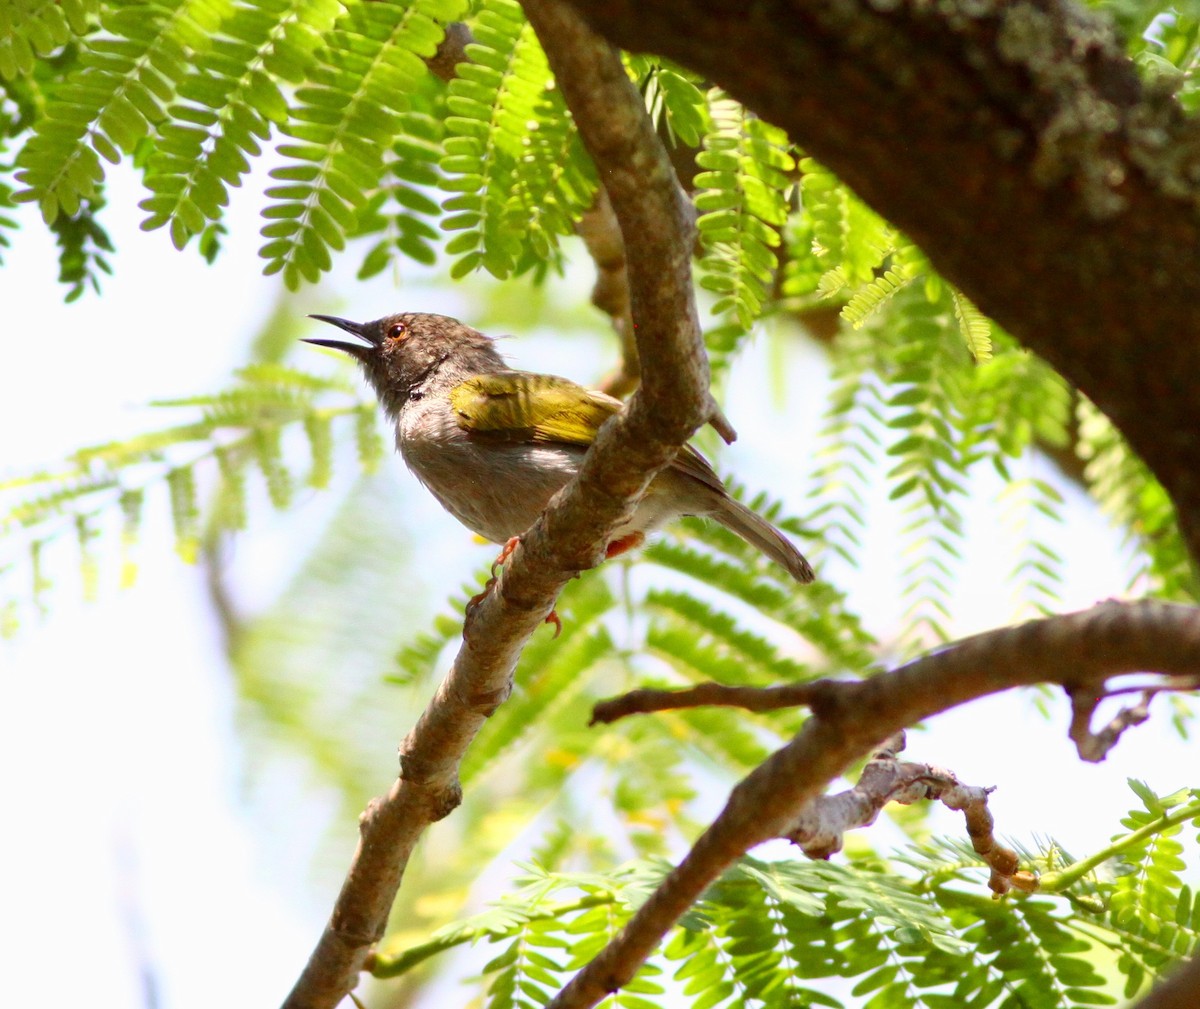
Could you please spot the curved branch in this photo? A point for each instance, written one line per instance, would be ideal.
(672, 402)
(1016, 145)
(851, 719)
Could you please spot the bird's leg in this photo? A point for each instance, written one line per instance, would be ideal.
(623, 544)
(506, 552)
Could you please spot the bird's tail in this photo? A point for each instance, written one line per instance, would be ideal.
(759, 533)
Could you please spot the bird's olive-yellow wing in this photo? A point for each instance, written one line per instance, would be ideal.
(519, 406)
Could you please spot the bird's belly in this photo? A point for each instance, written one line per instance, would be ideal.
(495, 490)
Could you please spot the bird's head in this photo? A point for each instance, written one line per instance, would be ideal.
(404, 353)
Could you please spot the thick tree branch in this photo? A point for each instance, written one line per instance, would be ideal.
(672, 402)
(1015, 144)
(851, 719)
(1180, 990)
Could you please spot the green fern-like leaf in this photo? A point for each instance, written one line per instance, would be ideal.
(126, 75)
(743, 200)
(82, 248)
(845, 234)
(238, 427)
(7, 223)
(37, 28)
(512, 152)
(131, 502)
(974, 325)
(1125, 488)
(401, 210)
(868, 299)
(925, 411)
(342, 122)
(848, 445)
(673, 96)
(229, 100)
(185, 511)
(756, 661)
(552, 676)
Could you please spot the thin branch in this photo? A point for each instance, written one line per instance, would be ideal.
(1094, 746)
(850, 722)
(1063, 879)
(672, 402)
(647, 700)
(819, 828)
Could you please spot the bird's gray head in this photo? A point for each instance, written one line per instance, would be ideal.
(414, 353)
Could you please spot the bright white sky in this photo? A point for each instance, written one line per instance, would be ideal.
(128, 844)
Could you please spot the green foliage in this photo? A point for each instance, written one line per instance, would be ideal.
(32, 29)
(1138, 503)
(920, 931)
(400, 205)
(227, 103)
(848, 240)
(82, 244)
(674, 99)
(513, 155)
(1164, 40)
(342, 122)
(112, 99)
(240, 428)
(743, 196)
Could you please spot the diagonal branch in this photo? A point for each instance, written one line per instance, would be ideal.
(851, 719)
(672, 402)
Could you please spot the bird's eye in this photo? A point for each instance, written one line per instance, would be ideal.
(397, 331)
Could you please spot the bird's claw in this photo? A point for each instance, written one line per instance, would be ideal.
(506, 552)
(473, 603)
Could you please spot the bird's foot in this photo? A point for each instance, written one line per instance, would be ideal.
(506, 552)
(473, 605)
(623, 544)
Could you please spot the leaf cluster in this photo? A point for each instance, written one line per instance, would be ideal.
(862, 933)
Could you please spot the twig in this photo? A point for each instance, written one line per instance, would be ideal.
(1061, 880)
(819, 828)
(1094, 746)
(647, 700)
(672, 402)
(849, 722)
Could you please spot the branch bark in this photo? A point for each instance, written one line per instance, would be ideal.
(671, 403)
(1178, 991)
(1015, 144)
(852, 719)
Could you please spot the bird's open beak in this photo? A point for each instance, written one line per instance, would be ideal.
(357, 328)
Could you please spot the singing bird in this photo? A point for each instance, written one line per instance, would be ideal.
(494, 444)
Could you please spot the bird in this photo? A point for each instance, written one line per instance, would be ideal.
(493, 444)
